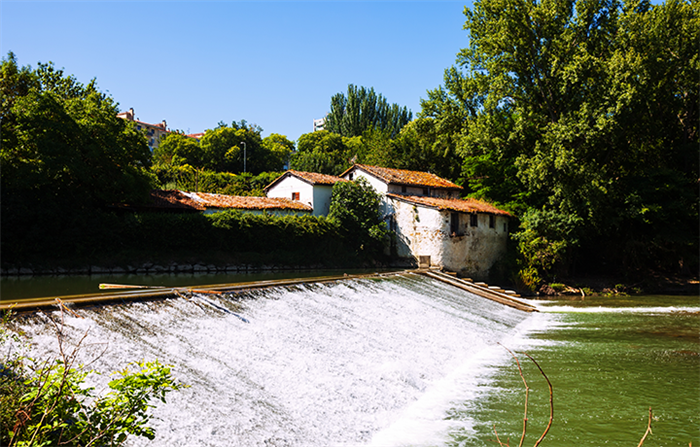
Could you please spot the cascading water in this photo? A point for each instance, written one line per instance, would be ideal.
(355, 362)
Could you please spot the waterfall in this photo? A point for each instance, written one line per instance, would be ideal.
(355, 362)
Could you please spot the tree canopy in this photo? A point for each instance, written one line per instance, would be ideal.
(363, 109)
(62, 143)
(582, 116)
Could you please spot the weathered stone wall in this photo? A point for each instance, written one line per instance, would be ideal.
(423, 231)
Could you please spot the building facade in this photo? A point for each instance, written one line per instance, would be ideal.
(432, 225)
(153, 132)
(309, 188)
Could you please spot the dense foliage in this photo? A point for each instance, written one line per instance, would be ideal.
(62, 144)
(582, 116)
(363, 109)
(48, 403)
(355, 208)
(188, 178)
(121, 239)
(236, 148)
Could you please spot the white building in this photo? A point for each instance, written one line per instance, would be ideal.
(309, 188)
(319, 124)
(433, 226)
(154, 132)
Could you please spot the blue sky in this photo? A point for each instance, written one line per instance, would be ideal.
(275, 64)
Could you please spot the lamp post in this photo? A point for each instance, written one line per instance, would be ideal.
(244, 155)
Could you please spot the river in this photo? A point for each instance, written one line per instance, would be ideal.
(403, 361)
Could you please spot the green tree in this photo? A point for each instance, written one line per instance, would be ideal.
(355, 207)
(363, 109)
(279, 148)
(62, 141)
(584, 113)
(240, 148)
(323, 151)
(177, 149)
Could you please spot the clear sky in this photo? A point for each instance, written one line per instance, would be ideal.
(275, 64)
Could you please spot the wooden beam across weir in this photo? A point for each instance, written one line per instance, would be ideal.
(29, 304)
(160, 292)
(484, 291)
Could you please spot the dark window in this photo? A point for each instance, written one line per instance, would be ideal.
(350, 176)
(426, 192)
(474, 220)
(295, 196)
(492, 221)
(454, 225)
(403, 189)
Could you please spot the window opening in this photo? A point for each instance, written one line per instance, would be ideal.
(295, 196)
(492, 221)
(454, 225)
(474, 220)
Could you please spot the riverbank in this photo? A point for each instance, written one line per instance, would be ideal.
(620, 286)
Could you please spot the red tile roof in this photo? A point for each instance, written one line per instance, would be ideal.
(309, 177)
(174, 200)
(208, 200)
(459, 205)
(405, 177)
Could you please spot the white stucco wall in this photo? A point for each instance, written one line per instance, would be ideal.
(322, 199)
(423, 231)
(285, 187)
(378, 185)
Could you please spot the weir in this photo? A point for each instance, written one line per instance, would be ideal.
(364, 361)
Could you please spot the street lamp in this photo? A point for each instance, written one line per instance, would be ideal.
(244, 154)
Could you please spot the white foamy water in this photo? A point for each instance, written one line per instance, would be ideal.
(357, 362)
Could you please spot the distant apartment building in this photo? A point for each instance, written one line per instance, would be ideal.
(319, 124)
(154, 132)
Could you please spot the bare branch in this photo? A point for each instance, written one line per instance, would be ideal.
(499, 439)
(527, 394)
(647, 432)
(551, 400)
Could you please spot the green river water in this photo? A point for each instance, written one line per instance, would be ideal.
(609, 360)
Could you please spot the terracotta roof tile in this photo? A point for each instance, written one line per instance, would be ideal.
(317, 179)
(208, 200)
(405, 177)
(173, 199)
(459, 205)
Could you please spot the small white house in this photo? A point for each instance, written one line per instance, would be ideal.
(433, 226)
(308, 188)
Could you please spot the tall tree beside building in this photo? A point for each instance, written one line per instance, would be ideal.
(363, 109)
(585, 114)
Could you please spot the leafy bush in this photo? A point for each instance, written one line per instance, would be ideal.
(47, 403)
(355, 207)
